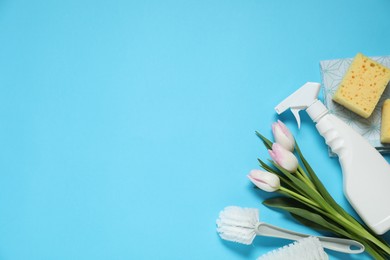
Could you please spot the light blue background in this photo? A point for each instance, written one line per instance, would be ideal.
(126, 126)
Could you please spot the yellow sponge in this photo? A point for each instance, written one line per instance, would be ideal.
(385, 127)
(362, 85)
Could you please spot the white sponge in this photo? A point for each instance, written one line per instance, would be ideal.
(304, 249)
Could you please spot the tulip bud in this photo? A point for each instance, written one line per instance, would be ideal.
(266, 181)
(283, 136)
(283, 157)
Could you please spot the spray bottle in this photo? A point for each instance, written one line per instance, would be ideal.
(366, 173)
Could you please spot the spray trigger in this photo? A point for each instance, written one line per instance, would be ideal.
(295, 112)
(300, 99)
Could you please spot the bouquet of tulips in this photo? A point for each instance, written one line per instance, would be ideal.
(304, 196)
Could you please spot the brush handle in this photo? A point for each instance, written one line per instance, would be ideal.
(336, 244)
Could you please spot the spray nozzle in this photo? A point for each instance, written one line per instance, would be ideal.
(300, 99)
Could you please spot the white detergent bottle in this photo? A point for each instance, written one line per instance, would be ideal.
(366, 173)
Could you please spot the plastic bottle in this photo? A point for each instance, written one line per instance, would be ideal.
(366, 173)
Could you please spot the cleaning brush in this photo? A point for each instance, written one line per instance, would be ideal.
(238, 224)
(308, 248)
(242, 225)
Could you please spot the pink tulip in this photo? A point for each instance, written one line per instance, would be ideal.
(283, 136)
(266, 181)
(283, 157)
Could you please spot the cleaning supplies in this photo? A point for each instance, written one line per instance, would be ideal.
(304, 249)
(242, 225)
(366, 173)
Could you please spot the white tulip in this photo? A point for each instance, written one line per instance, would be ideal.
(266, 181)
(283, 136)
(283, 157)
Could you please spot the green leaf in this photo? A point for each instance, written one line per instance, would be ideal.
(267, 143)
(308, 223)
(298, 209)
(316, 181)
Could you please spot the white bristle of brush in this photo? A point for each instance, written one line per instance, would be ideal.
(238, 224)
(308, 248)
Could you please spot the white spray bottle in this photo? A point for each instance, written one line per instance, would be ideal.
(366, 173)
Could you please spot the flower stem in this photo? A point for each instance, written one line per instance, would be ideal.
(303, 177)
(298, 196)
